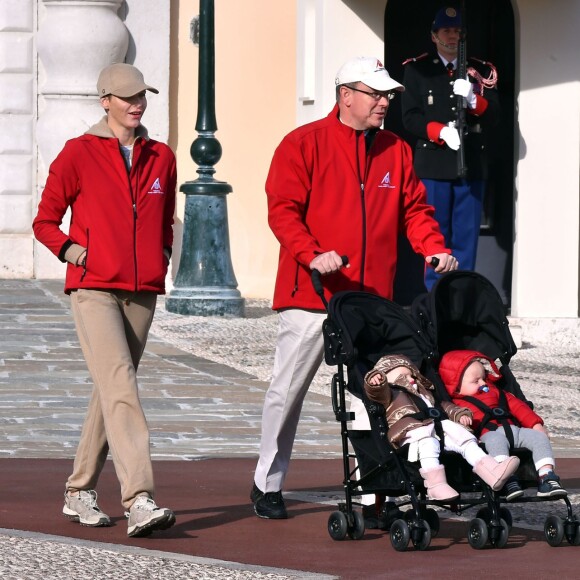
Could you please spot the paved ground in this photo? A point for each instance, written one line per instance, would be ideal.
(202, 383)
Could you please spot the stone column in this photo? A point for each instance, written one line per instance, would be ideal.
(17, 113)
(75, 40)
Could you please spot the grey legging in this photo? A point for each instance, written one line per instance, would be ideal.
(537, 442)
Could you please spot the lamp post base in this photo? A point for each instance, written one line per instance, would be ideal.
(208, 301)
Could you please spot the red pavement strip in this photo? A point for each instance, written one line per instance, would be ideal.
(215, 520)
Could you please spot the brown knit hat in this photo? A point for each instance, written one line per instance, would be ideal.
(390, 362)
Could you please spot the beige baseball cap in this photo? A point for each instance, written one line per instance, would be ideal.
(367, 70)
(122, 80)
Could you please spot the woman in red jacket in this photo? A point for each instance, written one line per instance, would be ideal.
(471, 385)
(120, 188)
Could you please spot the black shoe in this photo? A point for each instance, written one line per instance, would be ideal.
(269, 505)
(388, 513)
(255, 494)
(512, 489)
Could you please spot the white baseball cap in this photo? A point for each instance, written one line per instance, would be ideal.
(368, 70)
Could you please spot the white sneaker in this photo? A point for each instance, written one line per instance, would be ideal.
(144, 517)
(82, 507)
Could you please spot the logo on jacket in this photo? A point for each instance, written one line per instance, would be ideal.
(386, 182)
(156, 189)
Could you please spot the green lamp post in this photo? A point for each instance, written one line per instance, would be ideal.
(205, 284)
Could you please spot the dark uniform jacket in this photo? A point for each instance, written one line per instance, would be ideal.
(429, 103)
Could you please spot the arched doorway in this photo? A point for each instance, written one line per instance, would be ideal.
(490, 36)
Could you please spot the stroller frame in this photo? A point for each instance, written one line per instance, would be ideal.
(421, 522)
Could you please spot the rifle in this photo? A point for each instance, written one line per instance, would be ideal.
(461, 123)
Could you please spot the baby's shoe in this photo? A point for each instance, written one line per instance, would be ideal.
(512, 489)
(549, 486)
(436, 484)
(496, 474)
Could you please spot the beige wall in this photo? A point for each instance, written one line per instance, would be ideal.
(546, 256)
(261, 43)
(255, 79)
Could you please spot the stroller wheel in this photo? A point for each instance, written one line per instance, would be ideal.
(337, 526)
(506, 515)
(572, 531)
(356, 532)
(477, 534)
(429, 515)
(554, 530)
(486, 515)
(400, 535)
(421, 535)
(499, 535)
(432, 518)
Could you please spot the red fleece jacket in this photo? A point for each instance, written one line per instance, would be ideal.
(124, 220)
(325, 193)
(451, 370)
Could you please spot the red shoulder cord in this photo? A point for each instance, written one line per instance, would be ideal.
(485, 83)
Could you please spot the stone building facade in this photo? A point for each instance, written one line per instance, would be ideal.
(275, 65)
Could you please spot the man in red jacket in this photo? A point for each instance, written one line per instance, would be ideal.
(120, 187)
(337, 186)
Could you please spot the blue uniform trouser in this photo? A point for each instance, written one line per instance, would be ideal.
(458, 211)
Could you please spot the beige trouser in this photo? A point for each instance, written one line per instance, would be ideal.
(299, 354)
(112, 327)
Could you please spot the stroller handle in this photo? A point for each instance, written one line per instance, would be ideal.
(316, 282)
(434, 262)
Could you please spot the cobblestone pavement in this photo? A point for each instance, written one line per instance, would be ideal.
(196, 408)
(202, 384)
(28, 556)
(547, 364)
(33, 556)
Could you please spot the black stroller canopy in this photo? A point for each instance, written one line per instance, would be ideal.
(371, 326)
(467, 313)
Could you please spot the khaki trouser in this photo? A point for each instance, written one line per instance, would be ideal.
(299, 354)
(112, 327)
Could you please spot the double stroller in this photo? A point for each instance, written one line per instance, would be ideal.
(462, 312)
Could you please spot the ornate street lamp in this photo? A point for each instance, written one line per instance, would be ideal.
(205, 284)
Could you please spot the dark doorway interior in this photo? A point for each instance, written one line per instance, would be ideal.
(490, 36)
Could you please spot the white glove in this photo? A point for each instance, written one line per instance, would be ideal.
(451, 136)
(464, 88)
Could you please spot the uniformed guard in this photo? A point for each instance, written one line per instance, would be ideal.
(430, 113)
